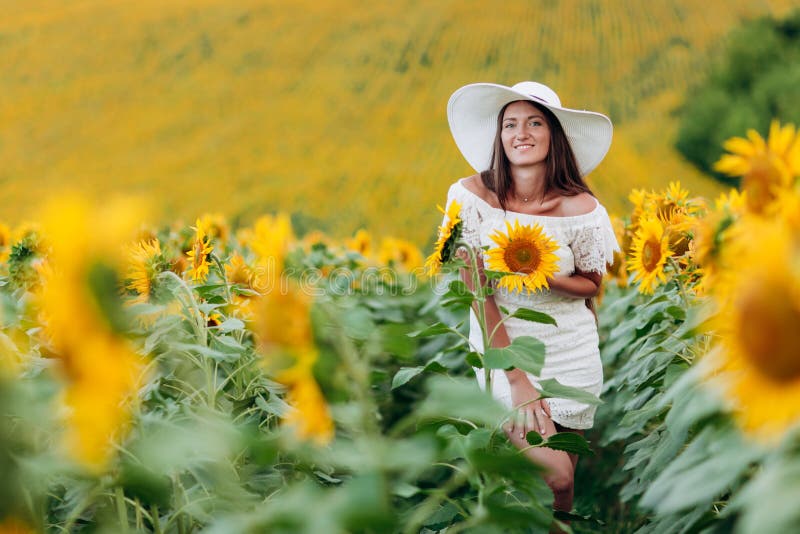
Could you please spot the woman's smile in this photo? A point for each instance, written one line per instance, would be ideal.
(525, 134)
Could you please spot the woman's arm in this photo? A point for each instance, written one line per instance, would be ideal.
(579, 285)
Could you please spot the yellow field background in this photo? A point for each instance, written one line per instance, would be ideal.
(331, 110)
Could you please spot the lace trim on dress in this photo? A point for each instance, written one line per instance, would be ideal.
(594, 244)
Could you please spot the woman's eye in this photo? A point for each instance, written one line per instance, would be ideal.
(509, 125)
(535, 123)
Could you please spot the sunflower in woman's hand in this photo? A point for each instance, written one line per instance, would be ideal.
(526, 252)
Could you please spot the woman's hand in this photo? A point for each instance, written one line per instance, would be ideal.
(530, 415)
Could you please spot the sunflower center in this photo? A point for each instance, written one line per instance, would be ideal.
(769, 331)
(651, 254)
(522, 256)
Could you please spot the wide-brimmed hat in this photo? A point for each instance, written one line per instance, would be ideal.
(472, 113)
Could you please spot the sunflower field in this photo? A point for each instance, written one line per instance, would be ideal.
(216, 379)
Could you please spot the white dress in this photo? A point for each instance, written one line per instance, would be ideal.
(587, 242)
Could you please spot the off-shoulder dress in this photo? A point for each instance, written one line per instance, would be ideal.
(587, 243)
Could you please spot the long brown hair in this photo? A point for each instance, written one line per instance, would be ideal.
(561, 173)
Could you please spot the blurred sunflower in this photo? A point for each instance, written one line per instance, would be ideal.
(309, 416)
(241, 276)
(5, 242)
(637, 197)
(84, 322)
(617, 271)
(527, 252)
(281, 322)
(361, 243)
(734, 201)
(449, 234)
(238, 272)
(145, 263)
(766, 166)
(399, 254)
(198, 255)
(216, 227)
(316, 238)
(12, 525)
(649, 253)
(758, 327)
(271, 238)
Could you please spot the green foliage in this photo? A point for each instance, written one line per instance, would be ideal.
(756, 79)
(670, 457)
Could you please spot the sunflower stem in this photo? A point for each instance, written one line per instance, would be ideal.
(681, 289)
(122, 511)
(224, 277)
(480, 297)
(198, 323)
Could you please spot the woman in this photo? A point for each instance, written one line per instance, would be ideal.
(531, 155)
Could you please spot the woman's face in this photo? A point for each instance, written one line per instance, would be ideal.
(525, 134)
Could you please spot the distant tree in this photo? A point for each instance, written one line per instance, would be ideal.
(756, 79)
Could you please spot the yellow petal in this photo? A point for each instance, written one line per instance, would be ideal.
(740, 146)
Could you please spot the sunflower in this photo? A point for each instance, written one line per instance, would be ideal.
(216, 226)
(198, 255)
(527, 252)
(271, 238)
(145, 263)
(766, 166)
(83, 320)
(13, 525)
(637, 197)
(309, 416)
(399, 254)
(617, 270)
(238, 272)
(5, 242)
(758, 327)
(449, 234)
(361, 243)
(241, 276)
(650, 251)
(734, 201)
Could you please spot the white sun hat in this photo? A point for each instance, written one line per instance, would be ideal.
(472, 113)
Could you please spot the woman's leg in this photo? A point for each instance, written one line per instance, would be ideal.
(559, 466)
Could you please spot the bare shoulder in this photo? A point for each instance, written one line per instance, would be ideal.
(474, 185)
(579, 204)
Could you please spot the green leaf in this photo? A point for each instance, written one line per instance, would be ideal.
(552, 388)
(103, 282)
(404, 374)
(442, 517)
(358, 323)
(459, 398)
(534, 438)
(205, 351)
(525, 352)
(397, 343)
(474, 359)
(706, 469)
(405, 490)
(230, 325)
(569, 442)
(435, 329)
(458, 294)
(534, 316)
